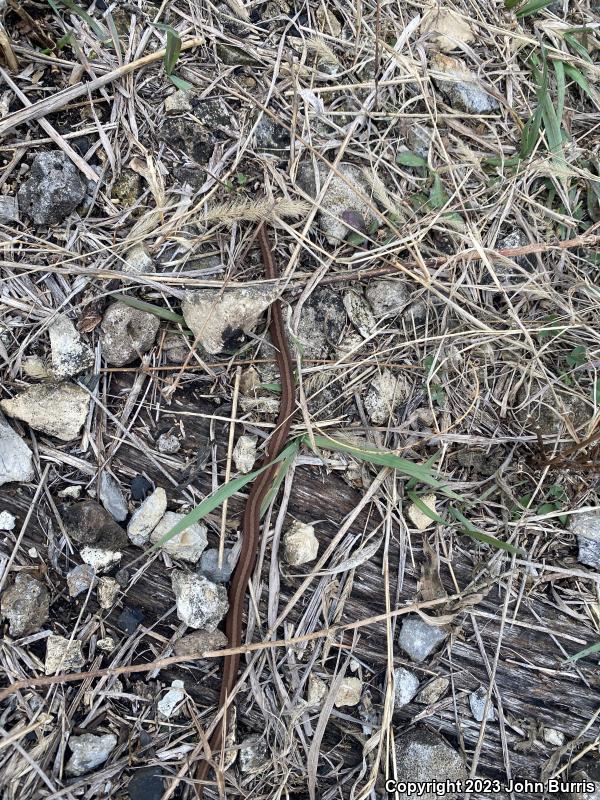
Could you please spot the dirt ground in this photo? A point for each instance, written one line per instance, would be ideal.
(429, 178)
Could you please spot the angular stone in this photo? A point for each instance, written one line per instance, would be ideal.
(126, 333)
(421, 756)
(187, 545)
(58, 410)
(54, 189)
(25, 604)
(147, 516)
(88, 752)
(219, 319)
(418, 639)
(200, 603)
(70, 354)
(15, 456)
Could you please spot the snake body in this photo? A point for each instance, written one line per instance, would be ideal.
(251, 519)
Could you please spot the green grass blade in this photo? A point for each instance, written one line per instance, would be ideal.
(588, 651)
(531, 8)
(223, 493)
(100, 32)
(475, 533)
(284, 466)
(158, 311)
(180, 83)
(407, 159)
(559, 70)
(580, 80)
(531, 134)
(578, 48)
(383, 458)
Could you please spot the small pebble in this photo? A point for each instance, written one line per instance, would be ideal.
(146, 784)
(79, 579)
(140, 487)
(209, 565)
(244, 453)
(349, 692)
(418, 639)
(406, 685)
(168, 704)
(168, 443)
(432, 692)
(300, 545)
(88, 752)
(63, 655)
(107, 592)
(252, 754)
(477, 702)
(7, 521)
(129, 619)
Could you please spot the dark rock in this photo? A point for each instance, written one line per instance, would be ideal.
(147, 784)
(210, 569)
(141, 487)
(129, 619)
(25, 604)
(88, 523)
(54, 189)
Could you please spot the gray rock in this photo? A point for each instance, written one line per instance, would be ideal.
(421, 756)
(107, 592)
(461, 87)
(79, 579)
(99, 558)
(432, 692)
(168, 443)
(271, 137)
(209, 565)
(15, 456)
(25, 604)
(89, 751)
(341, 199)
(200, 602)
(321, 324)
(406, 685)
(392, 297)
(138, 261)
(63, 655)
(146, 517)
(385, 394)
(112, 498)
(477, 703)
(7, 521)
(9, 209)
(587, 529)
(147, 784)
(218, 319)
(419, 139)
(54, 189)
(200, 642)
(418, 639)
(59, 410)
(126, 333)
(70, 354)
(253, 753)
(87, 523)
(187, 545)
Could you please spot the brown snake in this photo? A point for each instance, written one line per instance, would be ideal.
(251, 519)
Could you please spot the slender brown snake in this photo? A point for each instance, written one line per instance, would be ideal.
(251, 519)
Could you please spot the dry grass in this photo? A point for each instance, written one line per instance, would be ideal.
(505, 340)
